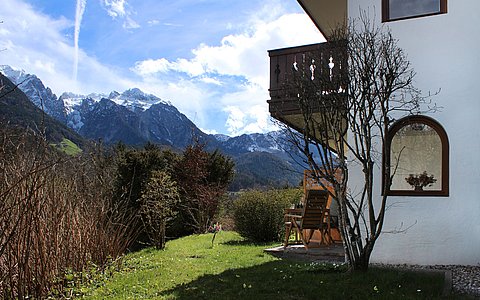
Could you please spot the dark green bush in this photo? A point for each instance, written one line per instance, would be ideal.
(200, 177)
(258, 215)
(158, 203)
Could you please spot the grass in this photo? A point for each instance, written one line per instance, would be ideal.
(68, 147)
(190, 268)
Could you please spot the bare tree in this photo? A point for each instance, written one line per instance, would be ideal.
(347, 105)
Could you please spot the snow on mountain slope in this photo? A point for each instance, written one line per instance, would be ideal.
(41, 96)
(135, 118)
(145, 116)
(135, 99)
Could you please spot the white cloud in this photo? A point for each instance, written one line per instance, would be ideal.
(129, 23)
(153, 22)
(49, 67)
(250, 100)
(189, 97)
(151, 66)
(236, 119)
(115, 8)
(172, 24)
(223, 86)
(246, 54)
(243, 55)
(37, 43)
(211, 80)
(208, 131)
(120, 9)
(254, 119)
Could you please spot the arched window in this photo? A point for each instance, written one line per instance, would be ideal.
(416, 158)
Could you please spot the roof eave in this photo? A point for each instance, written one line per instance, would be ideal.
(327, 15)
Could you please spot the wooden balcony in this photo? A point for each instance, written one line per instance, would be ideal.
(323, 64)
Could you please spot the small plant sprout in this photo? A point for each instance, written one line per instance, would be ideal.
(215, 228)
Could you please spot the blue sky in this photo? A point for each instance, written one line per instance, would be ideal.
(207, 57)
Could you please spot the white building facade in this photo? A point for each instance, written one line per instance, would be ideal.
(437, 222)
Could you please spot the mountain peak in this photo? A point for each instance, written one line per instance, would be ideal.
(113, 94)
(221, 137)
(13, 74)
(135, 117)
(18, 76)
(137, 94)
(134, 99)
(41, 96)
(134, 92)
(70, 95)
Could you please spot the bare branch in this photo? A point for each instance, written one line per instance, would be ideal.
(346, 107)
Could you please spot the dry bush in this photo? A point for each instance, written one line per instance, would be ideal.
(56, 215)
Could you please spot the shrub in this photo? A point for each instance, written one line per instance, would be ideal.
(202, 179)
(134, 170)
(56, 215)
(158, 203)
(259, 215)
(225, 212)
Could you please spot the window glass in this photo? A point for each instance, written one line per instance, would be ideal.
(404, 9)
(407, 8)
(416, 159)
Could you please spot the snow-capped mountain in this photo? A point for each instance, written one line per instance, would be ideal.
(18, 111)
(135, 117)
(40, 95)
(132, 117)
(81, 110)
(133, 99)
(272, 142)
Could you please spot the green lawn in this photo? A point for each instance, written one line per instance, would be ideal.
(190, 268)
(68, 147)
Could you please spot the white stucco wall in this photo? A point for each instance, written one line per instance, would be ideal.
(445, 52)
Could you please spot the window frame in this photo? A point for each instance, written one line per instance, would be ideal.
(386, 12)
(444, 191)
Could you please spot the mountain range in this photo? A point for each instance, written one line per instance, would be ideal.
(135, 118)
(17, 110)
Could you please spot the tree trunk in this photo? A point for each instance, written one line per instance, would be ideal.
(362, 260)
(160, 243)
(361, 263)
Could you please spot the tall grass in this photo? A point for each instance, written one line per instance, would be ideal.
(56, 215)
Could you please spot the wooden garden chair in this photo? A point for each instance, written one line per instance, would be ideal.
(315, 216)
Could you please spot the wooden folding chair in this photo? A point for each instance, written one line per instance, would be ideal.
(315, 216)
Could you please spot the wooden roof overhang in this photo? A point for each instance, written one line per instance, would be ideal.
(326, 14)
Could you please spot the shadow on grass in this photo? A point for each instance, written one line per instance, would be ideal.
(286, 280)
(245, 243)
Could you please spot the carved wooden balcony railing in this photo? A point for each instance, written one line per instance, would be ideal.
(323, 64)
